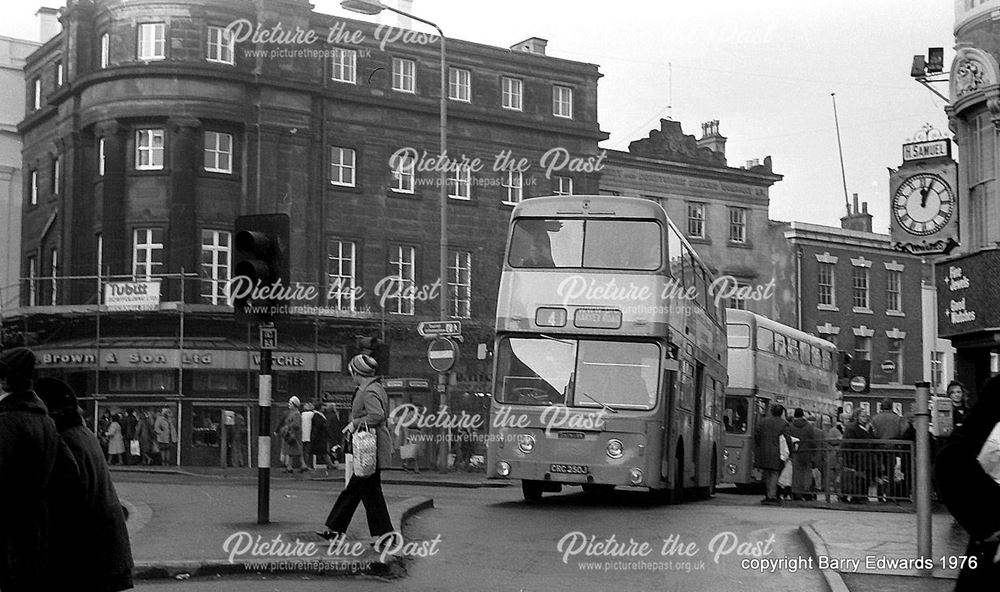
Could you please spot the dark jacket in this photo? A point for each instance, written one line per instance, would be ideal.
(320, 443)
(91, 525)
(887, 425)
(29, 447)
(767, 454)
(972, 496)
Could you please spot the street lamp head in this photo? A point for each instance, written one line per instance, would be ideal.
(369, 7)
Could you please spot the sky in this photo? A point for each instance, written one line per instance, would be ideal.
(764, 69)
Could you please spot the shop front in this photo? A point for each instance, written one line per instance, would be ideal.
(208, 396)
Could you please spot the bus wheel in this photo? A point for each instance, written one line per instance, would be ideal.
(532, 491)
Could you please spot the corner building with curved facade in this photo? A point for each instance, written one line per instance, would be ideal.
(148, 130)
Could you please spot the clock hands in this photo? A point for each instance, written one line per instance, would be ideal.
(923, 196)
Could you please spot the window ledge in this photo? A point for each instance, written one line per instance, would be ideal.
(743, 245)
(829, 307)
(860, 310)
(346, 188)
(699, 240)
(402, 194)
(895, 313)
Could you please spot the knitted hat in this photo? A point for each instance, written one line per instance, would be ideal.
(293, 400)
(362, 365)
(17, 365)
(56, 394)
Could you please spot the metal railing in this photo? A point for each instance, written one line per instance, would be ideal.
(854, 471)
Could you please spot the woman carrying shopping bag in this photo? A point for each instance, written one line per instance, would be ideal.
(372, 452)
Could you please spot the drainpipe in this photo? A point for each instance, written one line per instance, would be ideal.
(798, 288)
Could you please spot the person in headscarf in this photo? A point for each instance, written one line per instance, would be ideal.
(369, 408)
(291, 436)
(971, 493)
(89, 523)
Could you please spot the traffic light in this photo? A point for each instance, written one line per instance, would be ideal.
(376, 348)
(853, 375)
(261, 267)
(844, 370)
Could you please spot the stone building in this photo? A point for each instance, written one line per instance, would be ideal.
(722, 211)
(156, 123)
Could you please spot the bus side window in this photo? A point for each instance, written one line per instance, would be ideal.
(779, 344)
(817, 357)
(793, 349)
(765, 339)
(703, 286)
(675, 253)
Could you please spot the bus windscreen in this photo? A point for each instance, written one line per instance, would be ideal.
(587, 244)
(581, 373)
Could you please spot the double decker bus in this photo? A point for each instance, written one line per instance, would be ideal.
(771, 363)
(610, 354)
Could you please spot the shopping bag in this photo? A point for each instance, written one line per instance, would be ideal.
(408, 451)
(134, 449)
(785, 479)
(783, 448)
(365, 445)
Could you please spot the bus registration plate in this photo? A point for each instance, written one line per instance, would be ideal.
(571, 469)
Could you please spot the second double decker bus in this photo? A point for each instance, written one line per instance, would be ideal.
(771, 363)
(610, 364)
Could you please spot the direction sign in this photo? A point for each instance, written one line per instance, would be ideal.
(888, 366)
(439, 328)
(442, 354)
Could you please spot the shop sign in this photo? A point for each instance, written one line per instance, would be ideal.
(967, 297)
(132, 296)
(174, 358)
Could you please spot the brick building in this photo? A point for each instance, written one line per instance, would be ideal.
(153, 128)
(857, 292)
(722, 210)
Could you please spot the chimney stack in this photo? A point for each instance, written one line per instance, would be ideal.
(711, 138)
(48, 23)
(531, 45)
(858, 218)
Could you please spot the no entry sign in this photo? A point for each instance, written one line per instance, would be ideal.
(442, 354)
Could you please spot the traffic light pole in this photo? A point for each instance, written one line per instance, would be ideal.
(922, 417)
(264, 439)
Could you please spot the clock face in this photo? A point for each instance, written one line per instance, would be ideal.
(923, 204)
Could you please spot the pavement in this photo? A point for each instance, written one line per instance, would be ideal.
(867, 552)
(202, 528)
(390, 476)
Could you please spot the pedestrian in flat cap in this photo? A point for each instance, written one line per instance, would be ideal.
(369, 408)
(29, 447)
(89, 524)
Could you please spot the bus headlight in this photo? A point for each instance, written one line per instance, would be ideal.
(725, 454)
(732, 469)
(615, 448)
(635, 476)
(526, 443)
(503, 468)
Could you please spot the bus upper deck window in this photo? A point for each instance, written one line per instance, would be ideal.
(738, 335)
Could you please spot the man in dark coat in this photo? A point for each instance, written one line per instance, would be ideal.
(803, 454)
(90, 525)
(767, 451)
(29, 447)
(971, 494)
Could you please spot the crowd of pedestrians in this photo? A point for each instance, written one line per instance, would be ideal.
(310, 436)
(62, 526)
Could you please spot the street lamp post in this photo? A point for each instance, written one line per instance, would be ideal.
(373, 7)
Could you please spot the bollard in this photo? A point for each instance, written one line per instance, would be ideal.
(923, 492)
